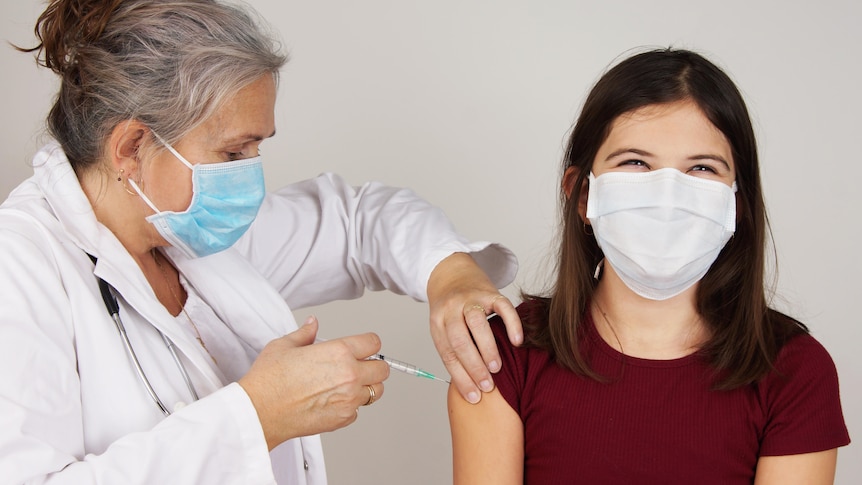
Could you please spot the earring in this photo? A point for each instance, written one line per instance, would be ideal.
(125, 185)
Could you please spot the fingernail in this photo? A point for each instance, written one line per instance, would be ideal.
(494, 366)
(486, 385)
(519, 339)
(309, 320)
(473, 397)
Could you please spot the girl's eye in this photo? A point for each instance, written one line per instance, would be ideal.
(703, 168)
(633, 163)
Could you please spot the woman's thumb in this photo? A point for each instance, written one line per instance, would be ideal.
(305, 334)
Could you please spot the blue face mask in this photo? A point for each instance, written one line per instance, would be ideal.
(225, 199)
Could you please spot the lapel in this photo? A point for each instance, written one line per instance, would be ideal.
(239, 295)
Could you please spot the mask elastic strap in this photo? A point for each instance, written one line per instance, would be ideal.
(176, 153)
(144, 197)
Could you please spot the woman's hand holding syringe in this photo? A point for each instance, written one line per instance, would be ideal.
(299, 389)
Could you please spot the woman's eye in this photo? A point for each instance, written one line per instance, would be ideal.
(247, 151)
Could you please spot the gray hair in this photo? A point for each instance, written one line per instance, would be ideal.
(169, 64)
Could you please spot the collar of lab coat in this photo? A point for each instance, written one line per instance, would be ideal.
(239, 295)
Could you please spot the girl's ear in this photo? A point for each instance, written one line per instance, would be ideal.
(570, 177)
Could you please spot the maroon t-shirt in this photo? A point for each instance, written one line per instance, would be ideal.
(658, 421)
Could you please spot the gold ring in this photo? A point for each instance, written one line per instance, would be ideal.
(476, 307)
(371, 395)
(496, 298)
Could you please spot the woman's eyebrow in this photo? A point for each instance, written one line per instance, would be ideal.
(247, 138)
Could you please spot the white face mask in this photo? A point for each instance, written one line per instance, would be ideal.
(660, 230)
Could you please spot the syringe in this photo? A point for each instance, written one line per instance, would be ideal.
(406, 368)
(399, 365)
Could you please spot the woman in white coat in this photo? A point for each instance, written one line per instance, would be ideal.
(146, 278)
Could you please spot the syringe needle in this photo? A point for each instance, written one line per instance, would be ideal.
(429, 375)
(407, 368)
(399, 365)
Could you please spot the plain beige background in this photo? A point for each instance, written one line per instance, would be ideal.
(469, 103)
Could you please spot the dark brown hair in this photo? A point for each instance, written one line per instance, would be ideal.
(746, 334)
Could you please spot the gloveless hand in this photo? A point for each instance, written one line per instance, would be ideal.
(300, 388)
(461, 296)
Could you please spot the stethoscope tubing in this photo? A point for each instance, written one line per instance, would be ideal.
(131, 353)
(109, 296)
(173, 350)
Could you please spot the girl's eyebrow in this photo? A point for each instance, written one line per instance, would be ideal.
(644, 153)
(636, 151)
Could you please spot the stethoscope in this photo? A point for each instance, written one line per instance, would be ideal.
(109, 297)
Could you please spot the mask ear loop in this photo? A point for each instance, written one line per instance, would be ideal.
(144, 197)
(125, 185)
(172, 150)
(182, 159)
(587, 228)
(599, 267)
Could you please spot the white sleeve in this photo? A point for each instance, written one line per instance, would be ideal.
(321, 240)
(217, 439)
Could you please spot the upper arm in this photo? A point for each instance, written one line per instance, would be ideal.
(487, 440)
(805, 421)
(807, 468)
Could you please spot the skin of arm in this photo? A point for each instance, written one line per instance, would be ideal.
(487, 440)
(807, 468)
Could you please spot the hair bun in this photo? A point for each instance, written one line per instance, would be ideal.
(67, 25)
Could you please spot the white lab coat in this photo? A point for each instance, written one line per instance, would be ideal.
(72, 408)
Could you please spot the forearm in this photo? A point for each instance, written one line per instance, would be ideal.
(457, 272)
(322, 239)
(214, 440)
